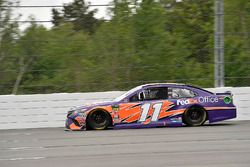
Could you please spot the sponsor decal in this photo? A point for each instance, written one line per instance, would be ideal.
(177, 119)
(205, 99)
(116, 117)
(208, 99)
(115, 107)
(227, 100)
(183, 102)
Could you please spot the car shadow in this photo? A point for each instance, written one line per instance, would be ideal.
(221, 124)
(215, 124)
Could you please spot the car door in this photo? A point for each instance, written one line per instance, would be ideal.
(144, 107)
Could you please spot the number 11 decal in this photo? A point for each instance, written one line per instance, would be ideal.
(145, 110)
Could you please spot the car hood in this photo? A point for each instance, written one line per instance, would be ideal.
(95, 104)
(89, 106)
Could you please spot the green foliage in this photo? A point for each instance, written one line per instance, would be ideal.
(144, 41)
(237, 42)
(79, 14)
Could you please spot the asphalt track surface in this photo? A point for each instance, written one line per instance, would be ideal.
(223, 144)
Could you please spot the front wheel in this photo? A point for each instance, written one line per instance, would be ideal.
(98, 120)
(195, 116)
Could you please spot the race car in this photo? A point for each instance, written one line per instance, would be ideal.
(154, 105)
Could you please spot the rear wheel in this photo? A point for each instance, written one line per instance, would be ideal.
(98, 120)
(195, 116)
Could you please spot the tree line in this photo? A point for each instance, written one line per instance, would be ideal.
(143, 41)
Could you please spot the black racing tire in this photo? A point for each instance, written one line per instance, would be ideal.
(98, 120)
(195, 116)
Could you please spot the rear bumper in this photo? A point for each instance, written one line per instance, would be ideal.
(222, 114)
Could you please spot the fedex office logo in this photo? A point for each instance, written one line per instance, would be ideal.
(205, 99)
(183, 102)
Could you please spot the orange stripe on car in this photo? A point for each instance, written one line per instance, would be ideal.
(172, 112)
(219, 108)
(74, 127)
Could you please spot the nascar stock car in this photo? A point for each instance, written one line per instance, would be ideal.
(154, 105)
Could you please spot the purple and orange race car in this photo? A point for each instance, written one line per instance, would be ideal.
(155, 105)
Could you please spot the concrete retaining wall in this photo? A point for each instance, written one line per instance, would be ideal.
(49, 110)
(46, 110)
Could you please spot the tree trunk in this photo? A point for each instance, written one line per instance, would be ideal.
(23, 68)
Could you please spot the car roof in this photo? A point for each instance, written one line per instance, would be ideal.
(175, 84)
(161, 84)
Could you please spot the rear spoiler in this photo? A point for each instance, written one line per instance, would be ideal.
(229, 93)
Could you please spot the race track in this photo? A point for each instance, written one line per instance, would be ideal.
(225, 144)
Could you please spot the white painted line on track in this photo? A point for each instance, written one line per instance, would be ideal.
(24, 148)
(16, 134)
(19, 158)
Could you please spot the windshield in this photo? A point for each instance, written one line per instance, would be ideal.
(119, 98)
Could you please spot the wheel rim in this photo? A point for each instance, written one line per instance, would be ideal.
(196, 115)
(99, 118)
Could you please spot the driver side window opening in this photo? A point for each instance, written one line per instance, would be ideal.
(160, 93)
(156, 93)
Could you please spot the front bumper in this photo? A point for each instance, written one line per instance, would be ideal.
(75, 121)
